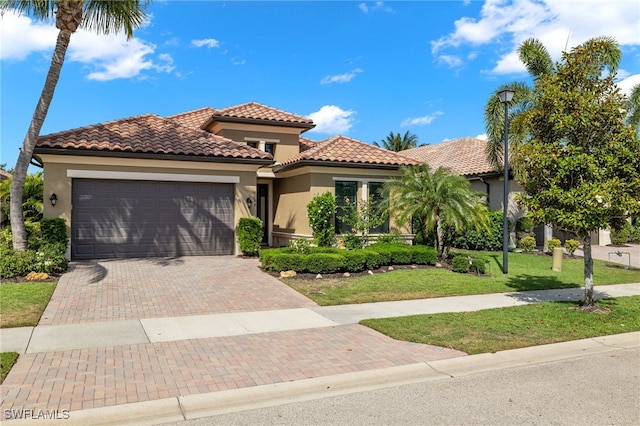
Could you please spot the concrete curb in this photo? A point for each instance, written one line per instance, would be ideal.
(215, 403)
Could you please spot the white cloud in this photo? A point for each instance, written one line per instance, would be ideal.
(376, 6)
(340, 78)
(482, 136)
(451, 61)
(628, 83)
(558, 24)
(206, 42)
(107, 57)
(331, 119)
(20, 36)
(421, 121)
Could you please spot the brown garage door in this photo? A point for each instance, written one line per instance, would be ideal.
(113, 218)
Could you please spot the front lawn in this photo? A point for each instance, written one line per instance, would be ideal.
(526, 272)
(22, 304)
(500, 329)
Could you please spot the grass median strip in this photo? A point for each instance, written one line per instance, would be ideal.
(7, 359)
(526, 272)
(22, 304)
(493, 330)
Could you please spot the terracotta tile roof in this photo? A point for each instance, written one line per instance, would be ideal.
(341, 149)
(4, 175)
(464, 156)
(306, 144)
(196, 118)
(259, 112)
(149, 134)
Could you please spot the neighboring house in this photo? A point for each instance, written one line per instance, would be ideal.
(466, 157)
(4, 175)
(166, 186)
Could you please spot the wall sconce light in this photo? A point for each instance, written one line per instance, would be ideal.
(53, 199)
(249, 202)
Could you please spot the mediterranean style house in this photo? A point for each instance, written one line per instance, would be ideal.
(167, 186)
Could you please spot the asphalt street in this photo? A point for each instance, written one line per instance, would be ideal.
(600, 389)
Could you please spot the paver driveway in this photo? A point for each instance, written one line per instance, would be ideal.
(120, 289)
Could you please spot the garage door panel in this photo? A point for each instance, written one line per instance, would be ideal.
(140, 219)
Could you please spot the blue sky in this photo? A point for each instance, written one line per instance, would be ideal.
(357, 68)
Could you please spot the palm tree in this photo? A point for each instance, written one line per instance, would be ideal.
(537, 59)
(397, 142)
(32, 198)
(101, 16)
(436, 198)
(633, 107)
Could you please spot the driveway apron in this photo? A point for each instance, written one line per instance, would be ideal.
(123, 289)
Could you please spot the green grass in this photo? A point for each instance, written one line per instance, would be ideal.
(22, 304)
(500, 329)
(7, 359)
(526, 272)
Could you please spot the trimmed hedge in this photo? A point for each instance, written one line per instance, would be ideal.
(249, 235)
(329, 260)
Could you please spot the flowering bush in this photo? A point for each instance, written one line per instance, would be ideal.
(321, 211)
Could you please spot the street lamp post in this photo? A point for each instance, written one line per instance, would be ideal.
(506, 96)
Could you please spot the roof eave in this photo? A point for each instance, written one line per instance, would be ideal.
(153, 156)
(345, 164)
(224, 119)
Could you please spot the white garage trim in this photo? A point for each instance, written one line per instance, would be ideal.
(164, 177)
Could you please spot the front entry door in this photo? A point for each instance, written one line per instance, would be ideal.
(263, 210)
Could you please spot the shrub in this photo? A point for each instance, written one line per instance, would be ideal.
(16, 263)
(524, 224)
(250, 235)
(287, 262)
(553, 243)
(527, 243)
(392, 238)
(321, 211)
(384, 252)
(50, 258)
(400, 254)
(460, 263)
(54, 231)
(351, 241)
(6, 242)
(324, 263)
(571, 246)
(300, 245)
(491, 240)
(478, 265)
(355, 260)
(266, 257)
(423, 255)
(373, 259)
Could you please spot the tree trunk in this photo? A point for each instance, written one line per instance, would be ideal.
(588, 274)
(439, 239)
(28, 145)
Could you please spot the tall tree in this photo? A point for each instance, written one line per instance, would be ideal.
(538, 62)
(579, 162)
(102, 16)
(397, 142)
(435, 197)
(633, 107)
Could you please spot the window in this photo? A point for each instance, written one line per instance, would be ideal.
(269, 148)
(376, 198)
(345, 191)
(252, 144)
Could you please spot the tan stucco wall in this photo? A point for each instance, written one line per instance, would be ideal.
(56, 179)
(287, 146)
(300, 186)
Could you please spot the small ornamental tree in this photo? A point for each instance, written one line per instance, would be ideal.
(363, 217)
(579, 163)
(321, 211)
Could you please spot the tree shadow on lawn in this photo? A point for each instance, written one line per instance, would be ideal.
(543, 289)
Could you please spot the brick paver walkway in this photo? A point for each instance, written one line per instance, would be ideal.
(89, 378)
(154, 288)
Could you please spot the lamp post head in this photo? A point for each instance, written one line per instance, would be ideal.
(506, 94)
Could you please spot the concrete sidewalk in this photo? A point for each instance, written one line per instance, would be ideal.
(47, 338)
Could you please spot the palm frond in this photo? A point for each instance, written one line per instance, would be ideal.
(535, 57)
